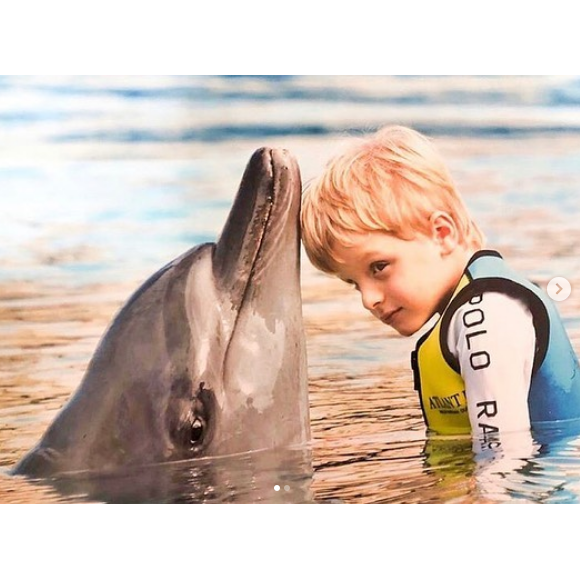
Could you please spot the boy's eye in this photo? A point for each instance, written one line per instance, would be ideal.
(352, 283)
(377, 267)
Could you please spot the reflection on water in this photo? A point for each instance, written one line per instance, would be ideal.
(281, 476)
(105, 179)
(371, 446)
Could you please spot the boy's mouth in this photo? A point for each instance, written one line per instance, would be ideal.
(389, 316)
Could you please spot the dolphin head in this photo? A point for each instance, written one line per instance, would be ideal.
(208, 355)
(244, 380)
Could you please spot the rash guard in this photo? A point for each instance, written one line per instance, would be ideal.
(496, 393)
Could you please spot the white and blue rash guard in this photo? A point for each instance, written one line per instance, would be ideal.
(497, 395)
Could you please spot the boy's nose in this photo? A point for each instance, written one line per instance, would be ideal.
(371, 299)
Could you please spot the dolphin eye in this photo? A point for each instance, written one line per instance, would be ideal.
(196, 433)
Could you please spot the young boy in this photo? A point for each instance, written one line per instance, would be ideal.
(386, 217)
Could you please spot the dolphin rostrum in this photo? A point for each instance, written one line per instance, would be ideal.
(207, 358)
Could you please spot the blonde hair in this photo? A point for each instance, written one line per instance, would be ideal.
(391, 181)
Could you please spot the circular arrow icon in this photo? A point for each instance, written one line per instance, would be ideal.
(559, 289)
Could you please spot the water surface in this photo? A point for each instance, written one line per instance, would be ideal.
(103, 180)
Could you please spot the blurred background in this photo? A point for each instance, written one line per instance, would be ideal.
(89, 163)
(104, 179)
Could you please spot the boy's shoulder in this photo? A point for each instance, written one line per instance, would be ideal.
(488, 273)
(492, 305)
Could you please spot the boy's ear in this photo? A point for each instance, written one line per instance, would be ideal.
(444, 231)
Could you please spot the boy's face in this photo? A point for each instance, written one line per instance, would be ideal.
(402, 282)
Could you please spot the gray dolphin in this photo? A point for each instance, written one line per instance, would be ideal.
(208, 357)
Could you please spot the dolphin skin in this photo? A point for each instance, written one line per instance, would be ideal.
(208, 357)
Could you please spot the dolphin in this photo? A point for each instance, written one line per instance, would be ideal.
(207, 358)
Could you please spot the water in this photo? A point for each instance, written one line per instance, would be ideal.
(105, 179)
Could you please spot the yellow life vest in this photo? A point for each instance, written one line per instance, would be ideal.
(441, 388)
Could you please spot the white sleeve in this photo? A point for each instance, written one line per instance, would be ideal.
(493, 338)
